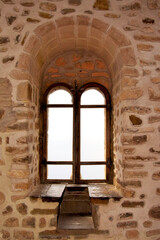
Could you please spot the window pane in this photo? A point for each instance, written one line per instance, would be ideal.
(59, 172)
(60, 134)
(92, 134)
(97, 172)
(91, 97)
(60, 97)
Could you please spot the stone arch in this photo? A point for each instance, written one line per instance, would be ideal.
(76, 33)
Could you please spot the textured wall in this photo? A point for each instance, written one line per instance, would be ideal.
(123, 36)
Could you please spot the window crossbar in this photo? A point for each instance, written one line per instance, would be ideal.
(71, 163)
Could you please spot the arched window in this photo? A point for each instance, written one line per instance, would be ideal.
(77, 135)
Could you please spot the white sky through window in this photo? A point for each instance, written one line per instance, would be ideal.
(60, 134)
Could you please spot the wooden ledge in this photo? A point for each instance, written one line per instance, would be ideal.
(54, 192)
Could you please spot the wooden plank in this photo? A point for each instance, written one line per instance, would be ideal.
(103, 191)
(55, 191)
(40, 190)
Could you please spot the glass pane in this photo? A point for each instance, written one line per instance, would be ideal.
(93, 172)
(60, 97)
(91, 97)
(59, 172)
(92, 134)
(60, 134)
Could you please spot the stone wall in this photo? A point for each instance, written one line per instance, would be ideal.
(113, 42)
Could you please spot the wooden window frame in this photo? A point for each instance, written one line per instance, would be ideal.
(76, 94)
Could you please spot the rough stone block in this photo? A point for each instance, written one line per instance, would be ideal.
(42, 222)
(132, 234)
(153, 232)
(129, 140)
(67, 11)
(132, 6)
(101, 4)
(125, 216)
(145, 47)
(147, 38)
(135, 174)
(156, 176)
(5, 234)
(129, 204)
(25, 235)
(43, 211)
(131, 94)
(18, 174)
(7, 210)
(129, 224)
(2, 198)
(136, 109)
(132, 72)
(29, 222)
(152, 95)
(147, 224)
(22, 208)
(46, 6)
(135, 120)
(11, 222)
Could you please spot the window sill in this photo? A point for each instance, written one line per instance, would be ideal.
(54, 192)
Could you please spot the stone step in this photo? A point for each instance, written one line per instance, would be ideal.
(75, 206)
(75, 222)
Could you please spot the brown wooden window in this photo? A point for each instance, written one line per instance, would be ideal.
(76, 134)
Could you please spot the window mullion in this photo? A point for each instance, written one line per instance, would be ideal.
(76, 137)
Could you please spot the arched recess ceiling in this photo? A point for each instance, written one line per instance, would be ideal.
(74, 33)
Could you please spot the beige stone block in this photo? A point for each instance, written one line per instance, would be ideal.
(131, 94)
(98, 24)
(82, 31)
(18, 174)
(155, 80)
(153, 95)
(118, 37)
(44, 29)
(64, 21)
(135, 174)
(33, 45)
(83, 20)
(147, 38)
(110, 45)
(24, 92)
(144, 47)
(66, 32)
(127, 57)
(128, 82)
(24, 62)
(128, 71)
(20, 75)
